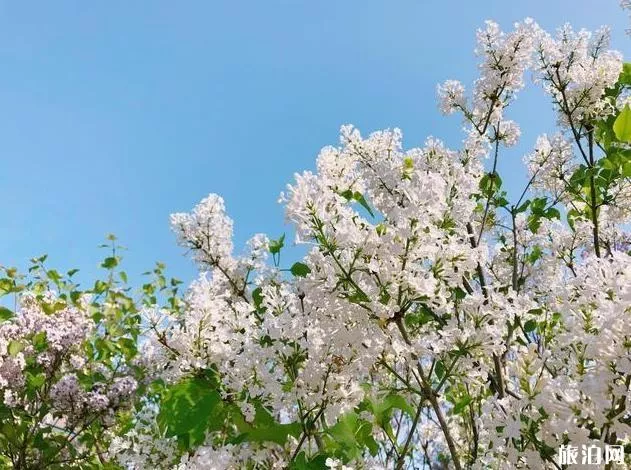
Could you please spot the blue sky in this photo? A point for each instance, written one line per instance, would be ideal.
(115, 114)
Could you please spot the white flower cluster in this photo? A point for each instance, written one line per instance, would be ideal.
(504, 59)
(576, 68)
(551, 164)
(142, 446)
(576, 378)
(207, 230)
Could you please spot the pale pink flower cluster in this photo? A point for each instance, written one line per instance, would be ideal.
(63, 331)
(44, 365)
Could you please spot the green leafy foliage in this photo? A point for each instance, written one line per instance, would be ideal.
(5, 313)
(189, 409)
(274, 248)
(539, 209)
(461, 405)
(384, 408)
(350, 436)
(300, 269)
(193, 407)
(530, 326)
(302, 462)
(622, 125)
(276, 245)
(490, 184)
(264, 428)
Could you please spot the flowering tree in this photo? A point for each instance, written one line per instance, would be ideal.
(433, 322)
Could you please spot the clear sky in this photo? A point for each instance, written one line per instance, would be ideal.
(115, 114)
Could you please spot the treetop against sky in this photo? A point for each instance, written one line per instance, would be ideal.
(117, 115)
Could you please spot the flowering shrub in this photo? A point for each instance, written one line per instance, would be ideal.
(69, 370)
(433, 321)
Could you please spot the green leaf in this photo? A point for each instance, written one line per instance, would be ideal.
(257, 297)
(36, 380)
(99, 286)
(109, 263)
(418, 318)
(537, 205)
(5, 314)
(553, 213)
(622, 125)
(458, 293)
(75, 296)
(625, 76)
(9, 286)
(535, 254)
(348, 194)
(276, 245)
(300, 270)
(501, 201)
(390, 402)
(490, 184)
(351, 435)
(358, 297)
(14, 348)
(189, 409)
(408, 167)
(440, 370)
(265, 428)
(461, 405)
(530, 325)
(127, 347)
(408, 163)
(316, 463)
(39, 341)
(539, 211)
(604, 132)
(572, 215)
(382, 410)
